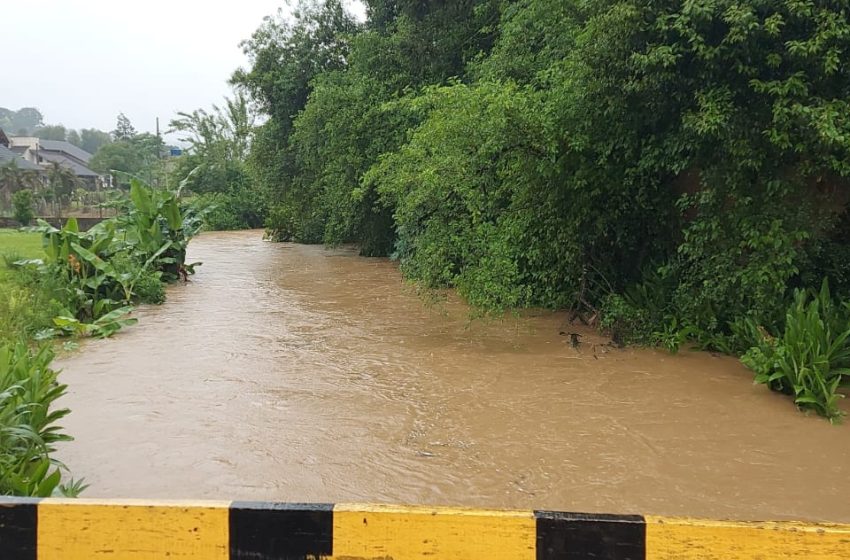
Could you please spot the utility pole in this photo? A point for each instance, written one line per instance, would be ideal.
(158, 152)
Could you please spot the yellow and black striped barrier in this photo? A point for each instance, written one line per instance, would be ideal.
(54, 529)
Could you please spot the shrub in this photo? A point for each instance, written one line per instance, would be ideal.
(149, 288)
(811, 357)
(28, 301)
(28, 430)
(22, 207)
(26, 310)
(239, 208)
(625, 322)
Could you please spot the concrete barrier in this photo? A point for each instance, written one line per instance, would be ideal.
(54, 529)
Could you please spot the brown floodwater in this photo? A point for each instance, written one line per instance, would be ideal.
(297, 373)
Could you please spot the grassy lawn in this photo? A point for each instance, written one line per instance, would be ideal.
(22, 310)
(18, 243)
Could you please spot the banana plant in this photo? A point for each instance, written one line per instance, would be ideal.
(100, 268)
(102, 327)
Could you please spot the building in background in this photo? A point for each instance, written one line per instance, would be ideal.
(11, 157)
(44, 152)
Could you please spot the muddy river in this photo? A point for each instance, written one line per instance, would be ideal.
(296, 373)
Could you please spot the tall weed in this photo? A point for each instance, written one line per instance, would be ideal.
(28, 426)
(811, 358)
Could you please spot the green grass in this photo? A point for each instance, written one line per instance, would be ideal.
(24, 309)
(18, 243)
(26, 243)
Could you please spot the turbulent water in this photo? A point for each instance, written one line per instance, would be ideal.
(295, 373)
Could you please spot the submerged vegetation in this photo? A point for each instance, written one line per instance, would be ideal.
(674, 173)
(85, 283)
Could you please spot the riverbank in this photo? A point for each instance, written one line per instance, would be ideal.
(296, 373)
(84, 285)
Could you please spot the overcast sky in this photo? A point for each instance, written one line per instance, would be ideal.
(81, 62)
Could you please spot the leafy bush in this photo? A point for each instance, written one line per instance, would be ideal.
(466, 190)
(149, 288)
(232, 210)
(26, 308)
(28, 430)
(811, 357)
(99, 273)
(103, 326)
(281, 225)
(22, 207)
(625, 322)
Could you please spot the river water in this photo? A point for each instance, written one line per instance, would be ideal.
(296, 373)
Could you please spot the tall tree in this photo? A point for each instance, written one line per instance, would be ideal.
(285, 57)
(223, 133)
(424, 42)
(24, 120)
(124, 129)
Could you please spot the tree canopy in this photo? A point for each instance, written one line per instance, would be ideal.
(623, 158)
(23, 121)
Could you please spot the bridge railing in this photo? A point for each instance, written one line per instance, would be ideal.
(54, 529)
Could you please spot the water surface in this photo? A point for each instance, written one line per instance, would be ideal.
(296, 373)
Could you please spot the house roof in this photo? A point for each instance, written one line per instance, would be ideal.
(79, 170)
(67, 147)
(7, 155)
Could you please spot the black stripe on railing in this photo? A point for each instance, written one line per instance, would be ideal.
(19, 529)
(280, 531)
(584, 536)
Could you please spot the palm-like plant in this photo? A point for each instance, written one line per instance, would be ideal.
(14, 179)
(63, 182)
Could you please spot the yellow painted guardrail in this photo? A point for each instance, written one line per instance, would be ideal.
(54, 529)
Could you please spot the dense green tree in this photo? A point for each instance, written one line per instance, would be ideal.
(138, 155)
(473, 198)
(340, 134)
(285, 57)
(92, 139)
(533, 36)
(24, 120)
(22, 207)
(51, 132)
(422, 42)
(116, 156)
